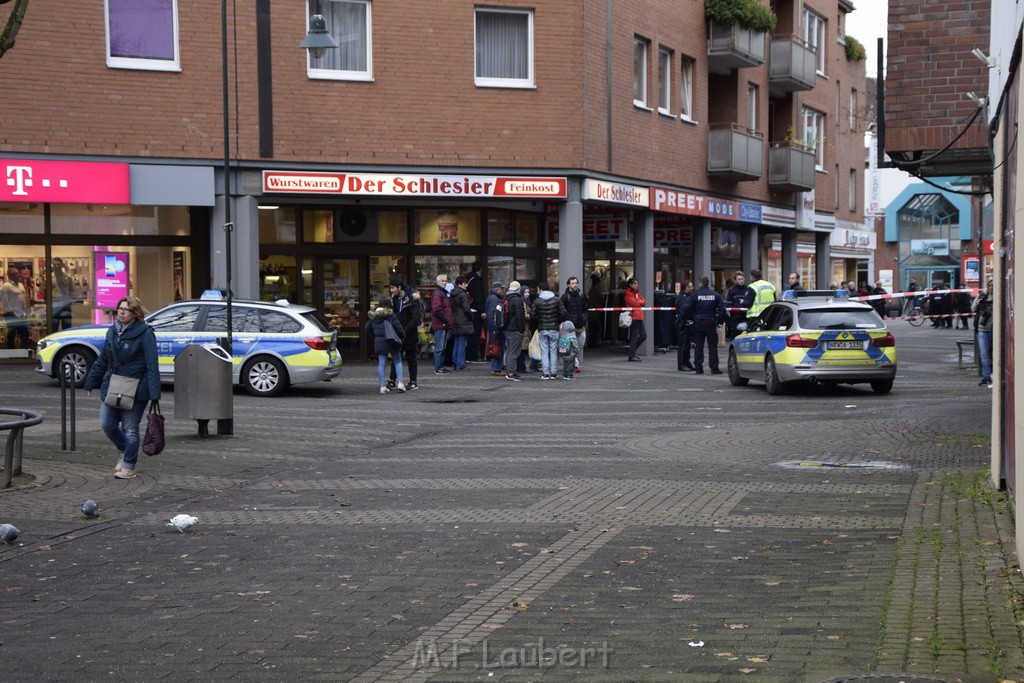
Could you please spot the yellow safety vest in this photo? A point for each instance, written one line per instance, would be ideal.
(764, 294)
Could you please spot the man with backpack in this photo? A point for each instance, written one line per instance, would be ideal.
(576, 312)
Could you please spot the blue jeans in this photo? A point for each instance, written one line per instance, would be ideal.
(122, 428)
(985, 353)
(440, 342)
(459, 351)
(382, 366)
(548, 351)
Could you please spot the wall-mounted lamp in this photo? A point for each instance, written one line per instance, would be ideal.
(990, 62)
(318, 40)
(980, 101)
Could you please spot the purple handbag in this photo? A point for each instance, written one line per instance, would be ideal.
(153, 443)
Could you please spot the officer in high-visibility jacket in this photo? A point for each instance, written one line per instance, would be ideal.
(706, 309)
(764, 293)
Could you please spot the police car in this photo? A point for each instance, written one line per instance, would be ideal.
(815, 336)
(275, 344)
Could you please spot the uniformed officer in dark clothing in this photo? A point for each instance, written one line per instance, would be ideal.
(738, 296)
(706, 308)
(685, 328)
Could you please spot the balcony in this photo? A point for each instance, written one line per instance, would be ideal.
(733, 47)
(790, 167)
(735, 152)
(793, 65)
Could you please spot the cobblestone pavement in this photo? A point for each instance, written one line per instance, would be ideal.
(636, 524)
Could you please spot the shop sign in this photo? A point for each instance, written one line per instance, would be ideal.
(389, 185)
(692, 204)
(64, 182)
(750, 213)
(929, 247)
(615, 193)
(606, 229)
(860, 239)
(673, 237)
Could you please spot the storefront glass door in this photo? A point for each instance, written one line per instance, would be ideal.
(340, 283)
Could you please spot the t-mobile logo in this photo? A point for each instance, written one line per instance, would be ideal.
(20, 178)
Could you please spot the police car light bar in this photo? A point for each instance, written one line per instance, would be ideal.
(214, 295)
(794, 294)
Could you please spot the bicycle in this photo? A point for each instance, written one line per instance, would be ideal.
(916, 315)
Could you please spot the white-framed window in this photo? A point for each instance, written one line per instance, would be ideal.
(640, 47)
(814, 34)
(852, 190)
(751, 107)
(665, 80)
(142, 34)
(504, 48)
(853, 109)
(348, 22)
(814, 135)
(686, 89)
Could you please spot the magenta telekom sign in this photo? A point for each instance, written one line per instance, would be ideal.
(64, 182)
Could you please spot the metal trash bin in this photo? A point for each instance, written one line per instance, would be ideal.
(202, 387)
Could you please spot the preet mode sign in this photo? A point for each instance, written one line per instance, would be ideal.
(391, 185)
(64, 182)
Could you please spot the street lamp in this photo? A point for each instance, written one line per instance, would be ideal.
(318, 40)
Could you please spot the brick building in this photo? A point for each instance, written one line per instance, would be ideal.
(548, 139)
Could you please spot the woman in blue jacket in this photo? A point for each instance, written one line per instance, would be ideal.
(129, 350)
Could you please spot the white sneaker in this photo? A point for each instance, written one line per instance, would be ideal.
(384, 390)
(401, 387)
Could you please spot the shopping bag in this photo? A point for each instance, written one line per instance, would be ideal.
(625, 319)
(153, 442)
(535, 346)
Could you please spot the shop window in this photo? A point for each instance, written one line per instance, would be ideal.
(527, 230)
(501, 269)
(448, 228)
(382, 269)
(355, 224)
(278, 278)
(504, 48)
(429, 267)
(21, 219)
(119, 220)
(501, 231)
(348, 22)
(143, 34)
(277, 226)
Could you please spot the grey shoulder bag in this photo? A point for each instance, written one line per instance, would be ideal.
(121, 389)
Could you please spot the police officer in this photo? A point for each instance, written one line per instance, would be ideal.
(706, 309)
(684, 327)
(738, 296)
(764, 293)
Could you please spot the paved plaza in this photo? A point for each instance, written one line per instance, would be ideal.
(635, 524)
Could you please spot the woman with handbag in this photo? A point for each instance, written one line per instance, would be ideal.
(388, 335)
(128, 375)
(637, 332)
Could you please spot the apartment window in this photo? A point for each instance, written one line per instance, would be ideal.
(639, 72)
(142, 34)
(814, 135)
(752, 107)
(853, 109)
(504, 48)
(814, 34)
(665, 81)
(852, 190)
(686, 89)
(348, 22)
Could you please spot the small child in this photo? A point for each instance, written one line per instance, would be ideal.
(568, 348)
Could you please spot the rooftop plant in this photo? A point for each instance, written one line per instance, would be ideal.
(750, 14)
(854, 50)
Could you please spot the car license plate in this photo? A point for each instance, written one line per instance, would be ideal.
(846, 345)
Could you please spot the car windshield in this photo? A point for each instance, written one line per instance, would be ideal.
(840, 319)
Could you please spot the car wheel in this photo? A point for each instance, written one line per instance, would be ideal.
(882, 386)
(734, 371)
(264, 377)
(771, 378)
(82, 360)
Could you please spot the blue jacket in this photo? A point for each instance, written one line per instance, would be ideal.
(133, 355)
(705, 305)
(375, 326)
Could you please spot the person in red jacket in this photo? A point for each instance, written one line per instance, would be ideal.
(637, 333)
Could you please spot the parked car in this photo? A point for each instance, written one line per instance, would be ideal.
(815, 336)
(275, 344)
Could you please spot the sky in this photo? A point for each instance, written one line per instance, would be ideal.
(867, 23)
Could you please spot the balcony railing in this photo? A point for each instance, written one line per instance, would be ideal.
(733, 47)
(790, 167)
(735, 152)
(793, 65)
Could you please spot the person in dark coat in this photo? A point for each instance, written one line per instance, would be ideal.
(129, 350)
(684, 327)
(462, 326)
(477, 298)
(576, 312)
(405, 302)
(706, 309)
(496, 333)
(515, 326)
(547, 313)
(739, 296)
(879, 304)
(441, 321)
(376, 326)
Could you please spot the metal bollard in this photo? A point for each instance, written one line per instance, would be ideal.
(67, 386)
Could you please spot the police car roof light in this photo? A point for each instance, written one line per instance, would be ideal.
(214, 295)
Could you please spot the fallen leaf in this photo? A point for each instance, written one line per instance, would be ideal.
(737, 626)
(831, 637)
(747, 671)
(621, 562)
(771, 583)
(759, 660)
(682, 597)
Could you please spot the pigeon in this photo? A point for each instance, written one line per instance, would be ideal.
(182, 522)
(90, 509)
(9, 533)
